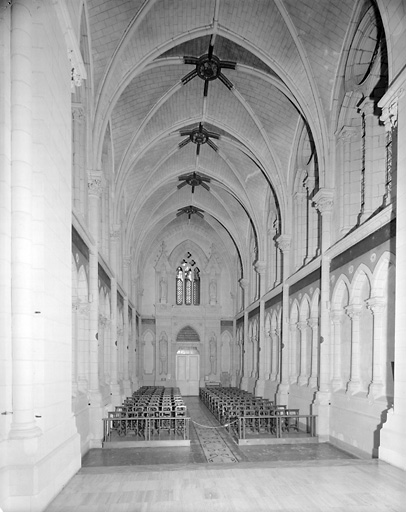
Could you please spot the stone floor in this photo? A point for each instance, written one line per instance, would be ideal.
(214, 474)
(210, 443)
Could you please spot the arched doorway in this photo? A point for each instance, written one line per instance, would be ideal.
(188, 371)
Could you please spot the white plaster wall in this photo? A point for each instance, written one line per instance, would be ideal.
(356, 423)
(5, 250)
(39, 469)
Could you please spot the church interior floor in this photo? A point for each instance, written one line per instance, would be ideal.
(214, 474)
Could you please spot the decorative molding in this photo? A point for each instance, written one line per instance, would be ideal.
(95, 183)
(260, 267)
(376, 305)
(243, 283)
(353, 310)
(324, 200)
(78, 70)
(283, 242)
(115, 233)
(78, 113)
(346, 133)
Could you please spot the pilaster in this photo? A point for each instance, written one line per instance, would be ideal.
(23, 426)
(322, 401)
(282, 393)
(393, 440)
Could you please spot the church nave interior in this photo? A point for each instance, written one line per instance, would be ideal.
(199, 194)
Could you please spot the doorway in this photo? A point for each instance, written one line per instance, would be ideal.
(188, 371)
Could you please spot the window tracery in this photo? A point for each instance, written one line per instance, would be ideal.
(188, 282)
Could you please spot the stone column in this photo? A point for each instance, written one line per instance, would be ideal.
(260, 384)
(245, 349)
(96, 410)
(272, 258)
(75, 345)
(367, 173)
(254, 343)
(354, 312)
(312, 224)
(126, 347)
(275, 351)
(127, 344)
(260, 268)
(337, 318)
(283, 242)
(393, 440)
(244, 287)
(114, 385)
(314, 325)
(134, 372)
(377, 387)
(345, 137)
(303, 379)
(95, 188)
(389, 118)
(77, 125)
(300, 229)
(321, 404)
(23, 424)
(293, 369)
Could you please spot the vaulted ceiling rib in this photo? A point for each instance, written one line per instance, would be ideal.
(285, 54)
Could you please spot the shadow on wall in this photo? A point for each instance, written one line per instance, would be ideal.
(377, 434)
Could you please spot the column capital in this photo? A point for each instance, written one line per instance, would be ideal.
(353, 310)
(346, 133)
(309, 183)
(293, 326)
(78, 113)
(324, 200)
(244, 283)
(95, 183)
(367, 107)
(313, 322)
(389, 115)
(299, 197)
(376, 304)
(260, 267)
(127, 262)
(115, 232)
(283, 242)
(337, 315)
(302, 325)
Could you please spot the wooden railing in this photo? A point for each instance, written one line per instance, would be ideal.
(144, 427)
(278, 426)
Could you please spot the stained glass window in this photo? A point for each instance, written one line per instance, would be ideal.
(188, 282)
(179, 286)
(196, 287)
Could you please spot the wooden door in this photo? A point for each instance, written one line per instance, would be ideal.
(187, 374)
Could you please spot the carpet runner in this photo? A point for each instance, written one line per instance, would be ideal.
(210, 433)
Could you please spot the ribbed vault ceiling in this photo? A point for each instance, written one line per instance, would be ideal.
(286, 54)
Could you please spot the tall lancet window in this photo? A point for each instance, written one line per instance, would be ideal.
(196, 287)
(188, 282)
(179, 286)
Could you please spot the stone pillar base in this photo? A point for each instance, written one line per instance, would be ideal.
(376, 390)
(354, 387)
(244, 383)
(127, 388)
(282, 394)
(303, 380)
(393, 440)
(115, 394)
(259, 387)
(321, 408)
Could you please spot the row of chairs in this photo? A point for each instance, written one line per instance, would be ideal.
(150, 411)
(240, 409)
